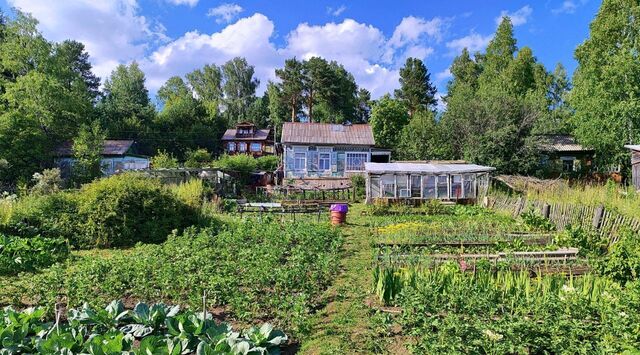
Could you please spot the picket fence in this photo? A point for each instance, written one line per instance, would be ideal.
(606, 221)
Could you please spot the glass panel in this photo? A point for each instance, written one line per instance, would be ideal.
(374, 187)
(429, 187)
(256, 147)
(231, 146)
(416, 182)
(355, 161)
(456, 186)
(468, 185)
(403, 186)
(388, 186)
(300, 161)
(442, 186)
(324, 161)
(242, 147)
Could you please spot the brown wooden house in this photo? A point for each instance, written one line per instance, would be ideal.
(246, 138)
(561, 154)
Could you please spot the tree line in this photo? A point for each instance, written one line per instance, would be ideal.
(497, 104)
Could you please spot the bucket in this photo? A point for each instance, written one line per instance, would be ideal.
(338, 213)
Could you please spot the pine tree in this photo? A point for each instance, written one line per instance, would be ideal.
(416, 90)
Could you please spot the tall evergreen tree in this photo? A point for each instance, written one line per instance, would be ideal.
(291, 86)
(416, 89)
(605, 93)
(363, 108)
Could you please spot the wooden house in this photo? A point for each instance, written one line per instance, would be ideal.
(117, 156)
(635, 165)
(561, 154)
(246, 138)
(425, 181)
(324, 150)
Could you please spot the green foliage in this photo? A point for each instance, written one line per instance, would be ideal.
(622, 262)
(419, 139)
(47, 182)
(417, 92)
(19, 254)
(239, 89)
(164, 160)
(606, 82)
(87, 153)
(388, 117)
(191, 192)
(240, 165)
(113, 330)
(125, 209)
(534, 220)
(359, 183)
(198, 158)
(284, 268)
(267, 163)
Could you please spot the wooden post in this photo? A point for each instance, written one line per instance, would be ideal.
(597, 217)
(546, 209)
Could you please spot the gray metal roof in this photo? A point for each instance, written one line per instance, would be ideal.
(425, 168)
(110, 147)
(560, 143)
(327, 133)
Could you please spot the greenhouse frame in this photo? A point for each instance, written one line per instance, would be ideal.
(426, 181)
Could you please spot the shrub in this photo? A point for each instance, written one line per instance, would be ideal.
(240, 165)
(198, 158)
(267, 163)
(51, 216)
(125, 209)
(359, 183)
(164, 160)
(47, 182)
(622, 263)
(29, 254)
(191, 192)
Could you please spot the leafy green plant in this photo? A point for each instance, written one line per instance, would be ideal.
(164, 160)
(19, 254)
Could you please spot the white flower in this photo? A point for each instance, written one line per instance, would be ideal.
(492, 336)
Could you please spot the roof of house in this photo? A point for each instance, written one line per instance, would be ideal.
(260, 135)
(327, 133)
(110, 147)
(425, 168)
(633, 147)
(560, 143)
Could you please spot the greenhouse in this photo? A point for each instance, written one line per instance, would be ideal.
(423, 181)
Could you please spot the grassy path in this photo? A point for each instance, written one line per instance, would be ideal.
(347, 325)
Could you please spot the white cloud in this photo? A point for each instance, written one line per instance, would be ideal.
(412, 29)
(190, 3)
(444, 75)
(224, 13)
(337, 11)
(567, 7)
(519, 17)
(112, 31)
(249, 38)
(473, 43)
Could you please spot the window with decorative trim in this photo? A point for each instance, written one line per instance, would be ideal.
(231, 146)
(324, 161)
(299, 161)
(242, 147)
(355, 161)
(255, 147)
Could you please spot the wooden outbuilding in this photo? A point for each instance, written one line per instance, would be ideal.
(635, 165)
(424, 181)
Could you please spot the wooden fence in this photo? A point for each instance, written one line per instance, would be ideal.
(607, 222)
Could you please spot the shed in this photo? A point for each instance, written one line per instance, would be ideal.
(423, 181)
(635, 165)
(117, 155)
(561, 153)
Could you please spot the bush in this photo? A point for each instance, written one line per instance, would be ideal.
(191, 192)
(164, 160)
(240, 165)
(47, 182)
(126, 209)
(198, 158)
(30, 254)
(267, 163)
(359, 183)
(51, 216)
(622, 263)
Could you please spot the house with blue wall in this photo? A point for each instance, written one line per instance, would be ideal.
(325, 150)
(117, 156)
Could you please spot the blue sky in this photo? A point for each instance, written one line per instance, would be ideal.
(371, 39)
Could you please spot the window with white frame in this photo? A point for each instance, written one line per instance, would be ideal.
(231, 146)
(324, 161)
(255, 147)
(300, 161)
(242, 147)
(355, 161)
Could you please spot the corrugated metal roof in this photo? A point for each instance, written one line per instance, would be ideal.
(633, 147)
(260, 135)
(560, 143)
(110, 147)
(425, 168)
(327, 133)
